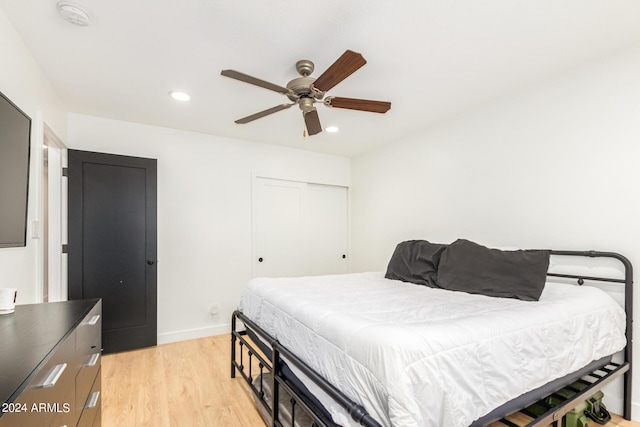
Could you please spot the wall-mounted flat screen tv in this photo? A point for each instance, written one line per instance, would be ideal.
(15, 144)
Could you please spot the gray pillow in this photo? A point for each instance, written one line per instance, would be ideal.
(415, 261)
(469, 267)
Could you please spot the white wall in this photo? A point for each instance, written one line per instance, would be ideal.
(204, 211)
(554, 166)
(22, 81)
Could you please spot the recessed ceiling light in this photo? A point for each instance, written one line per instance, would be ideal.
(332, 129)
(179, 96)
(72, 13)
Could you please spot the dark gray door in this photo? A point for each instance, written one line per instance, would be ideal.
(112, 244)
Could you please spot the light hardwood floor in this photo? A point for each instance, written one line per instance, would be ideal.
(183, 384)
(180, 384)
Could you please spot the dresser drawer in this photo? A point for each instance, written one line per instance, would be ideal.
(92, 409)
(88, 353)
(89, 333)
(86, 378)
(50, 393)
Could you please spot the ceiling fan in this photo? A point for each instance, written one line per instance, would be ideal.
(305, 91)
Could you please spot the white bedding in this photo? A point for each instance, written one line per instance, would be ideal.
(414, 356)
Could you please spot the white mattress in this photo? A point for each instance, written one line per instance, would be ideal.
(414, 356)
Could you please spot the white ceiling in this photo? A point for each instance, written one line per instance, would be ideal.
(431, 59)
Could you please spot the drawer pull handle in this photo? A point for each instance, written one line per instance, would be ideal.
(93, 359)
(94, 320)
(54, 376)
(93, 400)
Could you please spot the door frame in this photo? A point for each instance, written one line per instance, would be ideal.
(56, 216)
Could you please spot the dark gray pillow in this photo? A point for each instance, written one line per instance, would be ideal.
(469, 267)
(415, 261)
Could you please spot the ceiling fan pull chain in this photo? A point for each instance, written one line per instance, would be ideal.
(304, 133)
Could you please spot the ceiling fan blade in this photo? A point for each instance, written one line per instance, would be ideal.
(254, 81)
(358, 104)
(312, 121)
(263, 113)
(344, 66)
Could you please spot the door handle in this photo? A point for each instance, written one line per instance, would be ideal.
(260, 259)
(150, 262)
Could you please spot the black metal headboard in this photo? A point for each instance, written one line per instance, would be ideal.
(628, 306)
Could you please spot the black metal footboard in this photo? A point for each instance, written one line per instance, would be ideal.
(273, 365)
(588, 380)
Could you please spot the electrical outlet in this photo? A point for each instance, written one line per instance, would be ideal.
(213, 310)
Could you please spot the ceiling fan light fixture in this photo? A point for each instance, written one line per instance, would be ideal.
(179, 96)
(73, 13)
(332, 129)
(306, 104)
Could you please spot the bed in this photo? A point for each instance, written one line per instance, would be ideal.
(362, 349)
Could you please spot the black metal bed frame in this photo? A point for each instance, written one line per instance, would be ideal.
(272, 364)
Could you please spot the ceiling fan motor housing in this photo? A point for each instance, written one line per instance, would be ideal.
(301, 88)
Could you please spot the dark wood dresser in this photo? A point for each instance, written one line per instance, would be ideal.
(50, 364)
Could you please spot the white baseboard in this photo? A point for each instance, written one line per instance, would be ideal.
(615, 403)
(635, 411)
(191, 334)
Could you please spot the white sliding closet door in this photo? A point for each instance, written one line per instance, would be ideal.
(299, 229)
(279, 231)
(327, 221)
